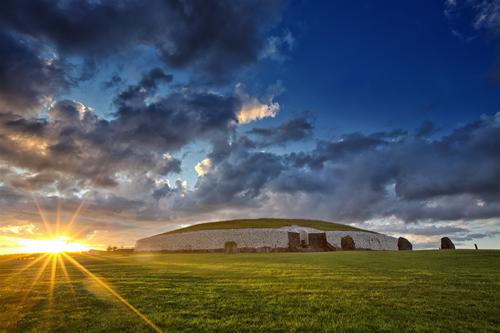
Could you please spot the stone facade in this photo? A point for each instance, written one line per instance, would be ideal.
(363, 240)
(279, 239)
(215, 240)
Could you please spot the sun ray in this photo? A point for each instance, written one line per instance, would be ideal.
(58, 216)
(66, 275)
(75, 216)
(48, 229)
(23, 269)
(35, 280)
(27, 291)
(10, 257)
(53, 279)
(112, 292)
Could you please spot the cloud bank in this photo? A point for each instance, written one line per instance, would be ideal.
(59, 151)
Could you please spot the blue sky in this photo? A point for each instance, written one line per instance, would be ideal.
(366, 66)
(382, 115)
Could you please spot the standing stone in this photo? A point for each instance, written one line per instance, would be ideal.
(347, 243)
(447, 244)
(404, 244)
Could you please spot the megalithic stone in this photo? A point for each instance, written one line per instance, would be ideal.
(447, 244)
(404, 244)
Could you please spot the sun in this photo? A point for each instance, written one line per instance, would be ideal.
(54, 245)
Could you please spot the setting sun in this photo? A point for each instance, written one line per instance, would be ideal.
(54, 245)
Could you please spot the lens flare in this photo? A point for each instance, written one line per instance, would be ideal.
(55, 245)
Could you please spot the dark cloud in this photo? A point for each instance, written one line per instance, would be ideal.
(296, 129)
(474, 236)
(427, 128)
(73, 141)
(115, 81)
(175, 120)
(347, 146)
(433, 230)
(216, 36)
(238, 180)
(364, 176)
(166, 190)
(153, 77)
(27, 78)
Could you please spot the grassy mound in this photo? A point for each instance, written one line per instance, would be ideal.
(267, 223)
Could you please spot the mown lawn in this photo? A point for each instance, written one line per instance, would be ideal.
(420, 291)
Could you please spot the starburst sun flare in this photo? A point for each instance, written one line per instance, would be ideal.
(53, 245)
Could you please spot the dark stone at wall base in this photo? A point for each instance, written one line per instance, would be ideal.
(264, 249)
(347, 243)
(404, 244)
(447, 244)
(230, 247)
(293, 241)
(318, 242)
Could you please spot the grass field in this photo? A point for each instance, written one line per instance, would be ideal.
(363, 291)
(267, 223)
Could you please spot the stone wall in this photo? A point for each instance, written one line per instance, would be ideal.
(274, 239)
(215, 240)
(363, 240)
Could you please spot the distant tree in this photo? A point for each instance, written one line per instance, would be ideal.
(109, 248)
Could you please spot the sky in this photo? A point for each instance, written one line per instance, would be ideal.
(127, 118)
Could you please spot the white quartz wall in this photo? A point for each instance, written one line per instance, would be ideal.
(363, 240)
(256, 238)
(214, 239)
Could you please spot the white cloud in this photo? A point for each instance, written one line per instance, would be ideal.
(254, 109)
(203, 167)
(19, 229)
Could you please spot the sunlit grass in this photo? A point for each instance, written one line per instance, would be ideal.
(365, 291)
(53, 253)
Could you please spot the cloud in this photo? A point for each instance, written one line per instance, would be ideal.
(477, 14)
(236, 180)
(359, 177)
(276, 46)
(76, 145)
(253, 109)
(488, 15)
(202, 167)
(28, 79)
(292, 130)
(185, 34)
(475, 236)
(18, 229)
(122, 162)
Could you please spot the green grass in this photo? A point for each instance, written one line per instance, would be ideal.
(267, 223)
(361, 291)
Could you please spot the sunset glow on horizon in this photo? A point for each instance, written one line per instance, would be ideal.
(249, 165)
(52, 245)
